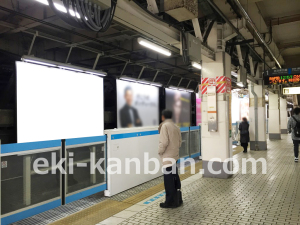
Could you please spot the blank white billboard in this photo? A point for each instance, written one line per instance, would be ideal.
(57, 104)
(137, 104)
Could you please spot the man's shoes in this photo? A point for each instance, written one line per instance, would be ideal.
(165, 206)
(245, 151)
(296, 159)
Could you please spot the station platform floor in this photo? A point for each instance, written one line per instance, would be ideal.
(271, 198)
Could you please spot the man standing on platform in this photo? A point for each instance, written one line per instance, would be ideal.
(169, 144)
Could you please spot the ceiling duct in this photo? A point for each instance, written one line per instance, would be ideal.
(182, 10)
(95, 15)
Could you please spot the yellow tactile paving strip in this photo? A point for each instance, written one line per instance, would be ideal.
(103, 210)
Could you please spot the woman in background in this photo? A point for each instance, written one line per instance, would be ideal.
(244, 132)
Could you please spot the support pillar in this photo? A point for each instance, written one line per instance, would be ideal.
(274, 116)
(283, 116)
(261, 142)
(216, 146)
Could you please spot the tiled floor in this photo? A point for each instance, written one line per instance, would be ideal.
(271, 198)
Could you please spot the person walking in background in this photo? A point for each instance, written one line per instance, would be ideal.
(244, 132)
(294, 128)
(169, 144)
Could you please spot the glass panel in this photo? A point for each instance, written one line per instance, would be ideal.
(45, 186)
(195, 142)
(21, 186)
(11, 184)
(82, 177)
(184, 149)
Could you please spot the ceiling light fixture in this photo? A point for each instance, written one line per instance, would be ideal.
(196, 65)
(39, 63)
(154, 47)
(69, 68)
(181, 89)
(45, 2)
(44, 62)
(130, 79)
(60, 7)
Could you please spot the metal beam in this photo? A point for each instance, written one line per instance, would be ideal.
(155, 75)
(283, 20)
(96, 61)
(188, 85)
(240, 42)
(169, 80)
(70, 51)
(240, 55)
(179, 82)
(124, 68)
(197, 29)
(32, 42)
(236, 30)
(141, 73)
(207, 31)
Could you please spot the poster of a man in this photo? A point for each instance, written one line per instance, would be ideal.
(137, 104)
(129, 115)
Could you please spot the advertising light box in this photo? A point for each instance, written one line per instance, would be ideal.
(137, 104)
(57, 104)
(180, 104)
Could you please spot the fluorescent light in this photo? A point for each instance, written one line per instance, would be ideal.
(60, 7)
(190, 90)
(143, 82)
(45, 2)
(156, 84)
(97, 74)
(154, 47)
(38, 62)
(127, 79)
(45, 62)
(72, 13)
(240, 84)
(196, 65)
(69, 68)
(174, 88)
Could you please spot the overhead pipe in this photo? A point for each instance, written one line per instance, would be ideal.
(246, 16)
(236, 30)
(256, 115)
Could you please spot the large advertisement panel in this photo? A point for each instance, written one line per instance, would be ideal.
(137, 104)
(56, 104)
(180, 103)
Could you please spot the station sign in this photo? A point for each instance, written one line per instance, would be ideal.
(282, 76)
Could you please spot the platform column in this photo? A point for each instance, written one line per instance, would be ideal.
(283, 116)
(259, 141)
(274, 116)
(217, 146)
